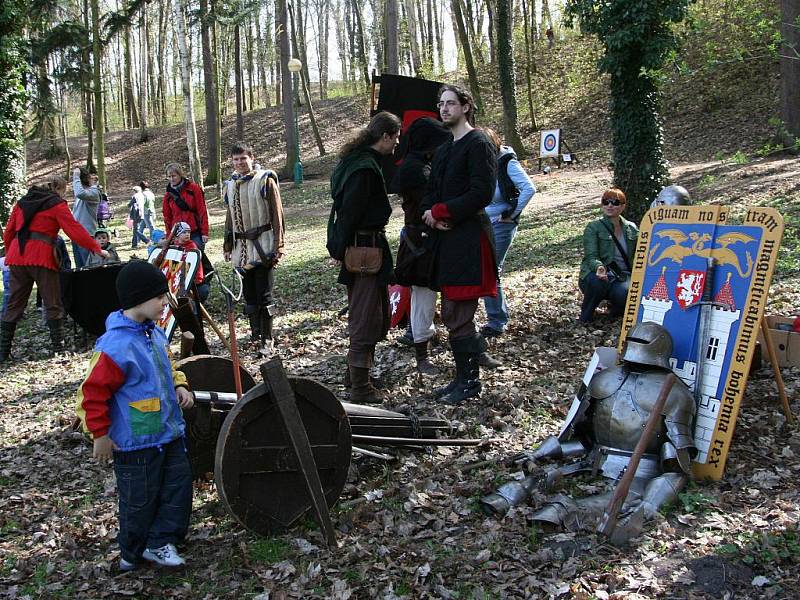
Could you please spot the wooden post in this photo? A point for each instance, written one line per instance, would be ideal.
(776, 370)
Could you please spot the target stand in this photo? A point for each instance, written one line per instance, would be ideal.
(552, 146)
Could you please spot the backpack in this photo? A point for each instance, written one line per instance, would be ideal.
(508, 190)
(104, 212)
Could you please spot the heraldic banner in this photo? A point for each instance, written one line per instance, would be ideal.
(682, 249)
(179, 267)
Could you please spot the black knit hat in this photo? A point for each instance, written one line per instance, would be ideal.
(138, 281)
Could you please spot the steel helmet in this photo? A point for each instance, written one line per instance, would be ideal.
(648, 343)
(672, 195)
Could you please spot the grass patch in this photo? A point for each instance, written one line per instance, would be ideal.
(268, 550)
(765, 549)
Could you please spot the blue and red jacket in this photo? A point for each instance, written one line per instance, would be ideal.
(129, 391)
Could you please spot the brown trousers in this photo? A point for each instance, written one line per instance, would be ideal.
(367, 316)
(459, 317)
(47, 282)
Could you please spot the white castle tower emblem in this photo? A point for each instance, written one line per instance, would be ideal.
(655, 306)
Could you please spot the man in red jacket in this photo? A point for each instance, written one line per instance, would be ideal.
(30, 238)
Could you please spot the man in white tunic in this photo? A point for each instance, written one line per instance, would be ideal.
(254, 232)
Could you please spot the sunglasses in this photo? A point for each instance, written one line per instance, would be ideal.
(610, 202)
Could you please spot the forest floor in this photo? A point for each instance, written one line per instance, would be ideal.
(418, 532)
(411, 528)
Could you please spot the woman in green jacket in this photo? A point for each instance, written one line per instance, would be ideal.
(608, 245)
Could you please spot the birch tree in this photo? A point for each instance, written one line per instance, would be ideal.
(179, 17)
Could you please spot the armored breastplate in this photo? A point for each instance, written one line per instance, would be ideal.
(619, 419)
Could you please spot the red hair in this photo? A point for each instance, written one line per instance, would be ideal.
(615, 194)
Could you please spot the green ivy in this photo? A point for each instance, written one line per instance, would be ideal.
(637, 39)
(13, 97)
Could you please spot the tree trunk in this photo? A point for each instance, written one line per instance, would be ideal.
(429, 46)
(790, 72)
(186, 86)
(262, 44)
(280, 5)
(99, 111)
(214, 158)
(143, 74)
(547, 19)
(162, 67)
(300, 32)
(376, 32)
(465, 46)
(130, 98)
(341, 42)
(323, 21)
(64, 132)
(361, 42)
(391, 26)
(286, 88)
(86, 84)
(505, 65)
(237, 77)
(492, 42)
(306, 93)
(439, 28)
(411, 20)
(530, 66)
(250, 65)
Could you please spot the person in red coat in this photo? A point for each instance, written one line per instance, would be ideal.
(185, 201)
(30, 238)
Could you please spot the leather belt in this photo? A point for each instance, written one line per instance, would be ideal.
(252, 234)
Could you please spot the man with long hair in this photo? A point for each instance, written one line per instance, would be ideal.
(462, 182)
(359, 215)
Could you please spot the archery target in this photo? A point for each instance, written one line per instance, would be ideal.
(550, 144)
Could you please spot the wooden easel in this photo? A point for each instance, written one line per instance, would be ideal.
(776, 370)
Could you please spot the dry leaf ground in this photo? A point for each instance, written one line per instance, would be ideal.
(418, 531)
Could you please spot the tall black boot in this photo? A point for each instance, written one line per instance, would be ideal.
(466, 352)
(6, 338)
(56, 327)
(254, 318)
(267, 346)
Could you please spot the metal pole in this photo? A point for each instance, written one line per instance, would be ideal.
(298, 166)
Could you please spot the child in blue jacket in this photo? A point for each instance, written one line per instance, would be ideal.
(130, 402)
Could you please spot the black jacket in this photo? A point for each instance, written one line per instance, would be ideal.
(463, 176)
(362, 205)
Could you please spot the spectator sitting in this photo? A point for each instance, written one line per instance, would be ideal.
(606, 268)
(102, 237)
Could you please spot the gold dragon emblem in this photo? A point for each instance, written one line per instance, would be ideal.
(677, 252)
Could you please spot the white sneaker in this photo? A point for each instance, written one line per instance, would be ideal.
(166, 556)
(126, 566)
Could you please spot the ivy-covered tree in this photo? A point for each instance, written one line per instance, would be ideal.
(637, 38)
(13, 97)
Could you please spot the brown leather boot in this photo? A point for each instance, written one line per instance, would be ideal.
(424, 365)
(361, 389)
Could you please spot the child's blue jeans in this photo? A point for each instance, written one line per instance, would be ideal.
(155, 497)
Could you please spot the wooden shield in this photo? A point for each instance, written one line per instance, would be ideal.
(256, 468)
(204, 420)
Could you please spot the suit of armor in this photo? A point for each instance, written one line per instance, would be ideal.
(604, 427)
